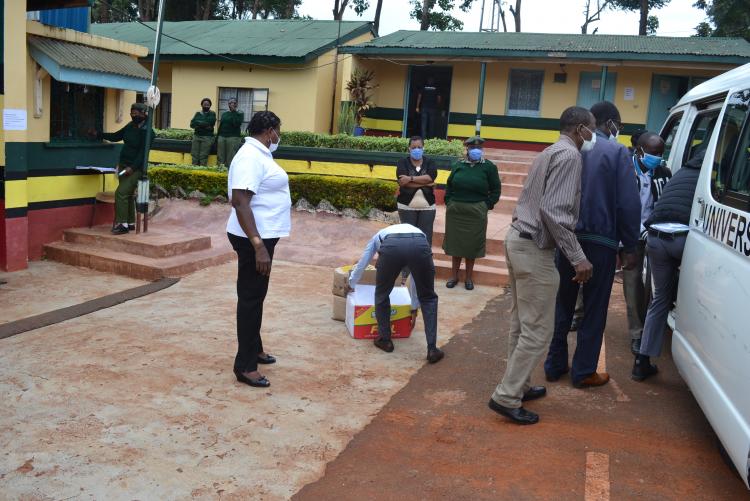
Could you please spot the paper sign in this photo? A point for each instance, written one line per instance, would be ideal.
(596, 84)
(14, 119)
(629, 94)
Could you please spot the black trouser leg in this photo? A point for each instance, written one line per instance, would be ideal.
(251, 292)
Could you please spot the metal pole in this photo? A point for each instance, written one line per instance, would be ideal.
(480, 101)
(603, 87)
(335, 81)
(143, 186)
(407, 98)
(481, 16)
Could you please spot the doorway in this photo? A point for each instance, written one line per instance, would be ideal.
(666, 91)
(432, 86)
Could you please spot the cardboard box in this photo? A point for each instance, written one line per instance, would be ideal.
(360, 313)
(339, 308)
(341, 277)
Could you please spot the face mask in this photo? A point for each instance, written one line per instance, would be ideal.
(588, 144)
(475, 154)
(274, 146)
(138, 119)
(613, 137)
(416, 153)
(651, 162)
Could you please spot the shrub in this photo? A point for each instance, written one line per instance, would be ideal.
(342, 192)
(183, 134)
(346, 118)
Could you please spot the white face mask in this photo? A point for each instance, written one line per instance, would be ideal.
(588, 145)
(613, 137)
(274, 146)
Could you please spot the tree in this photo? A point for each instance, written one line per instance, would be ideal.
(429, 18)
(592, 14)
(339, 6)
(360, 6)
(644, 7)
(726, 18)
(515, 11)
(114, 11)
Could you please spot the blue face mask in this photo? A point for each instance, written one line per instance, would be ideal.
(475, 154)
(651, 162)
(416, 153)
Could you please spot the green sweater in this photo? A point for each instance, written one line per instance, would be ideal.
(473, 183)
(230, 123)
(134, 147)
(203, 123)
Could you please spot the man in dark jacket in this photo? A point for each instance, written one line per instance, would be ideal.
(667, 232)
(610, 214)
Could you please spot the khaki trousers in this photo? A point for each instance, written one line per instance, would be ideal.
(533, 283)
(201, 148)
(226, 149)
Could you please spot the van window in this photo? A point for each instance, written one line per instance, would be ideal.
(700, 134)
(729, 178)
(668, 134)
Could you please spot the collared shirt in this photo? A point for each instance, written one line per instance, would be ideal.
(644, 190)
(373, 246)
(549, 203)
(254, 169)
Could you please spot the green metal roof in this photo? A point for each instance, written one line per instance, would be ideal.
(83, 57)
(275, 40)
(548, 45)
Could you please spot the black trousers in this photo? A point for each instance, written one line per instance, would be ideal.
(251, 292)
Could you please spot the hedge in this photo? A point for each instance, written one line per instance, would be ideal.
(342, 192)
(343, 141)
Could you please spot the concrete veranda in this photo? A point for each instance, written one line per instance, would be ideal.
(138, 401)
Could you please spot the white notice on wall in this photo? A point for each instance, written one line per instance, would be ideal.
(629, 94)
(14, 119)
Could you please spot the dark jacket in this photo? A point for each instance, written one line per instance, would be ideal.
(676, 201)
(610, 205)
(133, 151)
(472, 183)
(404, 167)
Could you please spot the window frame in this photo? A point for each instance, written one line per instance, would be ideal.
(523, 112)
(69, 109)
(702, 113)
(252, 100)
(726, 196)
(673, 122)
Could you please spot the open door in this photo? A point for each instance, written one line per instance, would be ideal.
(430, 87)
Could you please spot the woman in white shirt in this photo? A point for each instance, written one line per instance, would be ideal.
(259, 191)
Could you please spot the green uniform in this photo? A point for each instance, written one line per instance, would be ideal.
(203, 136)
(131, 155)
(230, 137)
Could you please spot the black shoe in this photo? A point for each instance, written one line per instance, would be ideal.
(575, 324)
(451, 283)
(534, 393)
(551, 378)
(469, 285)
(268, 359)
(519, 415)
(261, 382)
(131, 227)
(384, 344)
(120, 229)
(635, 347)
(435, 355)
(643, 368)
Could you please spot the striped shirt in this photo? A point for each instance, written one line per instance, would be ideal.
(548, 206)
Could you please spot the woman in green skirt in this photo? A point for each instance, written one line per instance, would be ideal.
(472, 189)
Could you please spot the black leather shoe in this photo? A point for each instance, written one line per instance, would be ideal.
(120, 229)
(635, 347)
(469, 285)
(519, 415)
(268, 359)
(551, 378)
(435, 355)
(451, 283)
(131, 227)
(643, 368)
(384, 344)
(261, 382)
(534, 393)
(575, 324)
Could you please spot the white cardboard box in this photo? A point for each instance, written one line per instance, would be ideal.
(360, 313)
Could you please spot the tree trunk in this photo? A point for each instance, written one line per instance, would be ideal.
(338, 9)
(290, 9)
(502, 17)
(426, 8)
(103, 13)
(644, 18)
(207, 10)
(146, 10)
(517, 15)
(378, 8)
(256, 8)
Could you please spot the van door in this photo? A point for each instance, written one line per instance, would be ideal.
(711, 342)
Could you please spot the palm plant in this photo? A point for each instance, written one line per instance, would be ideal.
(360, 89)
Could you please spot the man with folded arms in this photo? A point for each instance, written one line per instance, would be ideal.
(544, 219)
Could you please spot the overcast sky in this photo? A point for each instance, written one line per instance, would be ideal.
(677, 19)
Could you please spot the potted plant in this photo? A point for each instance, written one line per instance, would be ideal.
(360, 88)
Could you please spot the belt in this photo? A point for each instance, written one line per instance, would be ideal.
(404, 235)
(666, 236)
(525, 235)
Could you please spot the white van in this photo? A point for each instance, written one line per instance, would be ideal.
(711, 319)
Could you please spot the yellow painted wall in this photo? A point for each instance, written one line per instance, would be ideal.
(390, 79)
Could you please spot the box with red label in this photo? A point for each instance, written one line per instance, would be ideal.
(360, 313)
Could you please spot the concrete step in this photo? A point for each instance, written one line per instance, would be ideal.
(483, 275)
(493, 247)
(133, 265)
(506, 204)
(154, 244)
(513, 178)
(491, 261)
(514, 167)
(511, 190)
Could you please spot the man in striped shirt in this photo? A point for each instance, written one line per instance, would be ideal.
(544, 219)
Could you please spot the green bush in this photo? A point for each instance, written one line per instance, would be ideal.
(452, 148)
(342, 192)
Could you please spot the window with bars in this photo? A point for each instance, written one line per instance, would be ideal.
(249, 101)
(525, 93)
(74, 110)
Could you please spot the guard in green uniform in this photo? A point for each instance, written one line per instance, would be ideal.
(130, 166)
(230, 137)
(203, 136)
